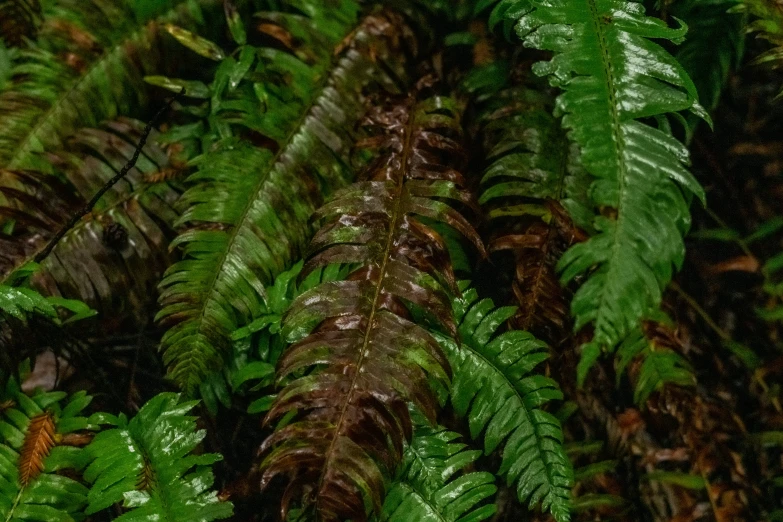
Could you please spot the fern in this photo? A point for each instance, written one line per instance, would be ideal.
(713, 48)
(256, 347)
(87, 67)
(369, 358)
(247, 209)
(19, 19)
(113, 258)
(660, 362)
(147, 463)
(427, 489)
(768, 24)
(531, 171)
(31, 454)
(493, 387)
(613, 75)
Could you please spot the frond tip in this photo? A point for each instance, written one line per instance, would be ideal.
(368, 358)
(494, 388)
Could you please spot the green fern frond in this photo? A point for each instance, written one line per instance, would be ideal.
(613, 75)
(495, 388)
(87, 67)
(660, 363)
(31, 454)
(767, 23)
(248, 208)
(113, 258)
(19, 19)
(148, 464)
(713, 47)
(358, 356)
(256, 347)
(434, 485)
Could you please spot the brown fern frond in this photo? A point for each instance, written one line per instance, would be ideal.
(19, 19)
(92, 263)
(543, 302)
(530, 170)
(367, 355)
(38, 442)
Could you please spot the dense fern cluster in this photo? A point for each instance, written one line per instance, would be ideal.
(279, 264)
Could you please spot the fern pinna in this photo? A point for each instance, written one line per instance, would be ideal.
(247, 208)
(613, 75)
(369, 358)
(531, 174)
(32, 451)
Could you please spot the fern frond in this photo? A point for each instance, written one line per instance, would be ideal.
(19, 19)
(613, 75)
(248, 208)
(658, 361)
(494, 388)
(148, 464)
(368, 358)
(531, 170)
(713, 47)
(115, 275)
(31, 454)
(256, 347)
(767, 24)
(87, 67)
(434, 485)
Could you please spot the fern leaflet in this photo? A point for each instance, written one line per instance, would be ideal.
(247, 209)
(31, 431)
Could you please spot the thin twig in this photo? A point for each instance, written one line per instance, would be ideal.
(43, 254)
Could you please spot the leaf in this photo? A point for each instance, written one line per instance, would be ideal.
(684, 480)
(435, 485)
(148, 464)
(713, 48)
(196, 43)
(357, 356)
(88, 67)
(530, 171)
(38, 442)
(658, 351)
(30, 456)
(612, 76)
(494, 387)
(247, 208)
